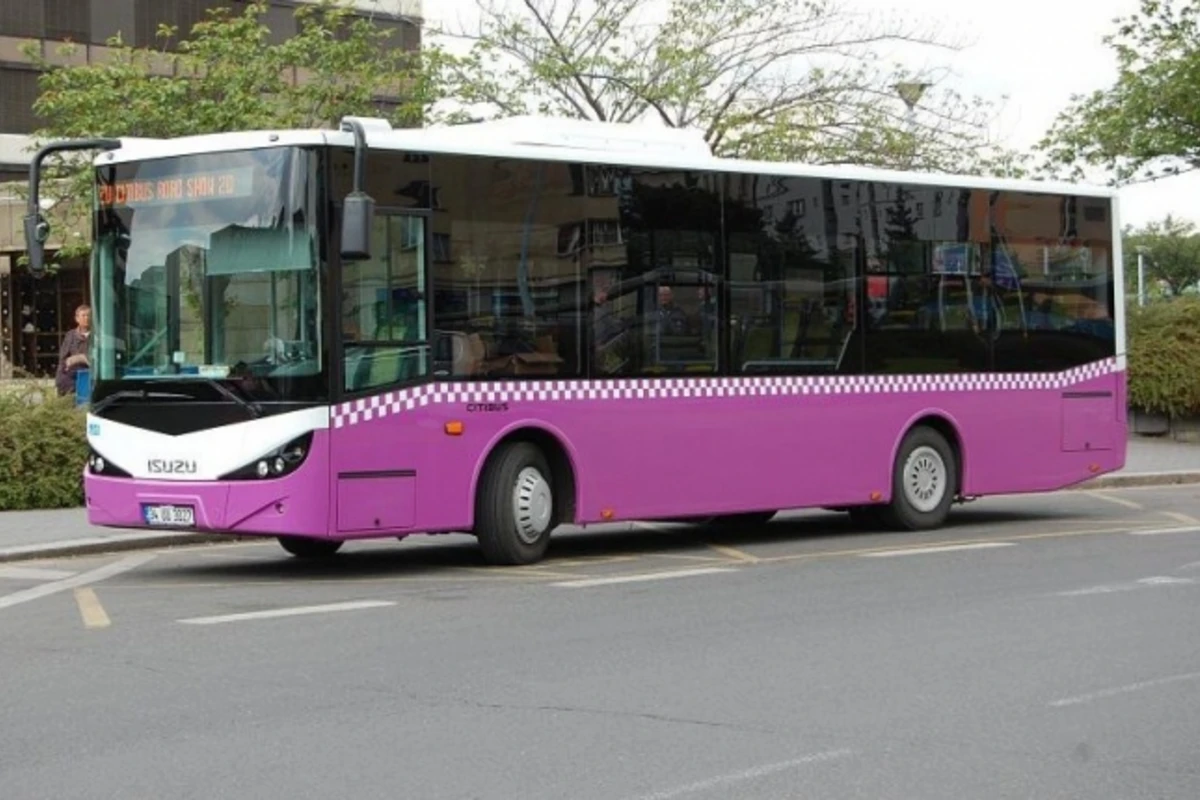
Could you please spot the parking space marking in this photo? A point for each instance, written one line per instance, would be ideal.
(1120, 690)
(76, 581)
(641, 577)
(1186, 519)
(1142, 583)
(296, 611)
(742, 776)
(1112, 498)
(1165, 531)
(90, 609)
(34, 573)
(920, 551)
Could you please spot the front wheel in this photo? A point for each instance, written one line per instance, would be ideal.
(304, 547)
(924, 481)
(514, 509)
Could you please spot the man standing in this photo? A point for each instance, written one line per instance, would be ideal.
(72, 356)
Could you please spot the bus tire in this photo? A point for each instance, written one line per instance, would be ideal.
(514, 507)
(923, 481)
(306, 548)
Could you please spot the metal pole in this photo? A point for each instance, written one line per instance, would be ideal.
(1141, 278)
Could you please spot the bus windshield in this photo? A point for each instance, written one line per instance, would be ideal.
(206, 268)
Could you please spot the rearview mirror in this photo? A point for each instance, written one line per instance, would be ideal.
(358, 214)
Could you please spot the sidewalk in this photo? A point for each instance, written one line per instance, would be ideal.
(48, 534)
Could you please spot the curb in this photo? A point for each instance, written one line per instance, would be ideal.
(1139, 479)
(101, 545)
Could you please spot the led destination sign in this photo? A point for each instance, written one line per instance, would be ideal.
(187, 188)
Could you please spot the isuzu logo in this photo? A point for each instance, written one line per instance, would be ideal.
(168, 466)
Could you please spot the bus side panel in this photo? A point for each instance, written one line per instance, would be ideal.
(676, 448)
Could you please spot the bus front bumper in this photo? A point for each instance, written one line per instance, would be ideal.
(294, 505)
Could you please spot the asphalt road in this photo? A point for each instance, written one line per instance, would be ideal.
(1040, 647)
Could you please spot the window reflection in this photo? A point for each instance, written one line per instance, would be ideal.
(793, 285)
(384, 307)
(509, 289)
(651, 253)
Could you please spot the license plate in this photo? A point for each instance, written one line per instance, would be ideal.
(173, 516)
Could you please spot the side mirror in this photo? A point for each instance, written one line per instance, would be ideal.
(37, 231)
(358, 215)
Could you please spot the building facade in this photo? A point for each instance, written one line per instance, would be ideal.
(35, 314)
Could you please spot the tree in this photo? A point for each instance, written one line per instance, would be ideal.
(1147, 124)
(771, 79)
(1172, 254)
(228, 75)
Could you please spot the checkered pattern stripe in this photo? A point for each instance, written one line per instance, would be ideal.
(436, 394)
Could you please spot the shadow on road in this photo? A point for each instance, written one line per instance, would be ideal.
(427, 556)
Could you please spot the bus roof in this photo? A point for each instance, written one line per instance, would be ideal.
(575, 141)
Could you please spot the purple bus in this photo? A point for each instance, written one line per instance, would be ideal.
(505, 327)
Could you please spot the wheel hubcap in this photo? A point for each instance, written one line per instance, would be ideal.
(925, 479)
(533, 505)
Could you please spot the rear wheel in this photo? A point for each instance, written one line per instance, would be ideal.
(514, 508)
(924, 481)
(304, 547)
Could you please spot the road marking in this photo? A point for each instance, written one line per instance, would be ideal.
(1133, 687)
(1165, 531)
(1186, 519)
(76, 581)
(34, 573)
(644, 576)
(858, 551)
(295, 611)
(919, 551)
(90, 609)
(1126, 587)
(745, 775)
(732, 553)
(669, 529)
(1120, 501)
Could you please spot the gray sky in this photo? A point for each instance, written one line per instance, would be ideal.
(1037, 53)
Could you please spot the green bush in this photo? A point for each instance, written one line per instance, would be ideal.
(43, 449)
(1164, 357)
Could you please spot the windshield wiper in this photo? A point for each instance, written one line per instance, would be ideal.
(130, 394)
(253, 408)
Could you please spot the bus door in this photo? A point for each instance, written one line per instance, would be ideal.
(385, 334)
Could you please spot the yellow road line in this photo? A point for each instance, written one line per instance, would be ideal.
(733, 553)
(865, 550)
(90, 609)
(1120, 501)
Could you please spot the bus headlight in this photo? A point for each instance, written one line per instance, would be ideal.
(99, 465)
(275, 464)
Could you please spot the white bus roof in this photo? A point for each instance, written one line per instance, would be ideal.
(575, 141)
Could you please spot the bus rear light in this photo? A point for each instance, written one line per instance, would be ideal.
(607, 513)
(1093, 468)
(454, 428)
(876, 497)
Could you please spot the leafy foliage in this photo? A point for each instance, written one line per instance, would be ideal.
(43, 449)
(226, 75)
(1147, 124)
(1164, 357)
(1172, 253)
(769, 79)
